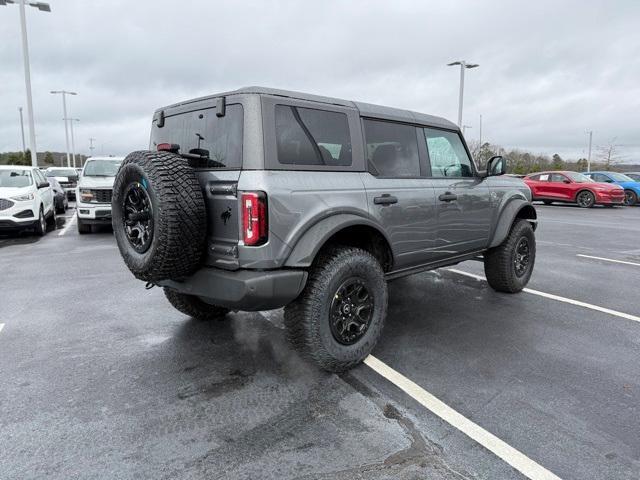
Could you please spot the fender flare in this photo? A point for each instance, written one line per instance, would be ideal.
(507, 217)
(311, 241)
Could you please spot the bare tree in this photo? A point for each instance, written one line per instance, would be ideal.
(609, 154)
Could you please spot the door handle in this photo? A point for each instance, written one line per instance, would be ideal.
(385, 199)
(448, 197)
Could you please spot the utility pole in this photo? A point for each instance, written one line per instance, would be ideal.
(463, 66)
(64, 94)
(590, 132)
(24, 147)
(43, 7)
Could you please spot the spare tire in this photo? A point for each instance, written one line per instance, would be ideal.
(158, 216)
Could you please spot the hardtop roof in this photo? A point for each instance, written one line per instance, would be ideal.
(365, 109)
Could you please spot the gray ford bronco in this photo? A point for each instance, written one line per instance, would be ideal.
(259, 199)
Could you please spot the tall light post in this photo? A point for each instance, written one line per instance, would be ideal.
(91, 147)
(43, 7)
(480, 130)
(463, 66)
(464, 129)
(64, 94)
(590, 132)
(73, 142)
(24, 147)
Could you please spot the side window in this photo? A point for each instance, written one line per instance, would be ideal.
(447, 154)
(306, 136)
(599, 177)
(38, 177)
(535, 178)
(392, 148)
(557, 178)
(544, 177)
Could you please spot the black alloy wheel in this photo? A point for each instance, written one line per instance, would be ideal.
(138, 217)
(585, 199)
(521, 257)
(351, 311)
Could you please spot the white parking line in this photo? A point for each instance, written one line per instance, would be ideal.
(608, 260)
(551, 296)
(513, 457)
(70, 222)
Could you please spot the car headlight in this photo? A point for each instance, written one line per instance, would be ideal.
(86, 196)
(23, 198)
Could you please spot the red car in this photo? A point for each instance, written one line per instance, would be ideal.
(573, 187)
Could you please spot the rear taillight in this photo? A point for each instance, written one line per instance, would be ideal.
(254, 218)
(168, 147)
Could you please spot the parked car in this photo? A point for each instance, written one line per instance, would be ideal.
(60, 200)
(572, 187)
(94, 192)
(259, 198)
(26, 199)
(634, 175)
(631, 187)
(67, 177)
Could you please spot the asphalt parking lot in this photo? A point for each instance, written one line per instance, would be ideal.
(100, 378)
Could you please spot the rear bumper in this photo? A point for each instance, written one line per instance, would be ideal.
(249, 290)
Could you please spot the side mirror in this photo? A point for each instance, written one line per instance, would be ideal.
(496, 166)
(43, 185)
(566, 181)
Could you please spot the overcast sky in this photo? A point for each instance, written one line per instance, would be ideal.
(549, 70)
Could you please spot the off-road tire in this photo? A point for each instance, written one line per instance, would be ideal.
(630, 198)
(83, 228)
(178, 216)
(307, 318)
(193, 306)
(499, 262)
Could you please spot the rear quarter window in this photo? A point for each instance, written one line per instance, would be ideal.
(212, 141)
(306, 136)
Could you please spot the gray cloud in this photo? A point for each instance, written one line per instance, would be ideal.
(549, 70)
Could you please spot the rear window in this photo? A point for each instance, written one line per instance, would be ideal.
(212, 141)
(306, 136)
(61, 172)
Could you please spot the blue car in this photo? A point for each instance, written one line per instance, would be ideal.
(631, 186)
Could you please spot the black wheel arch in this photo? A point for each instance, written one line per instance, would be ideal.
(344, 229)
(515, 209)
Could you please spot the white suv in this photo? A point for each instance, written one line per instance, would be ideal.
(26, 199)
(93, 194)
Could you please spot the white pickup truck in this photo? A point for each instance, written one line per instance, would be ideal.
(93, 192)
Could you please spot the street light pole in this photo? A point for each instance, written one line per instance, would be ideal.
(464, 129)
(590, 132)
(64, 94)
(480, 130)
(73, 142)
(463, 66)
(44, 7)
(91, 147)
(24, 147)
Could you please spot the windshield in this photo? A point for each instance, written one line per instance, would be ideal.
(578, 177)
(61, 172)
(619, 177)
(15, 178)
(101, 168)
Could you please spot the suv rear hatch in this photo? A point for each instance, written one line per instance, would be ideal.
(210, 135)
